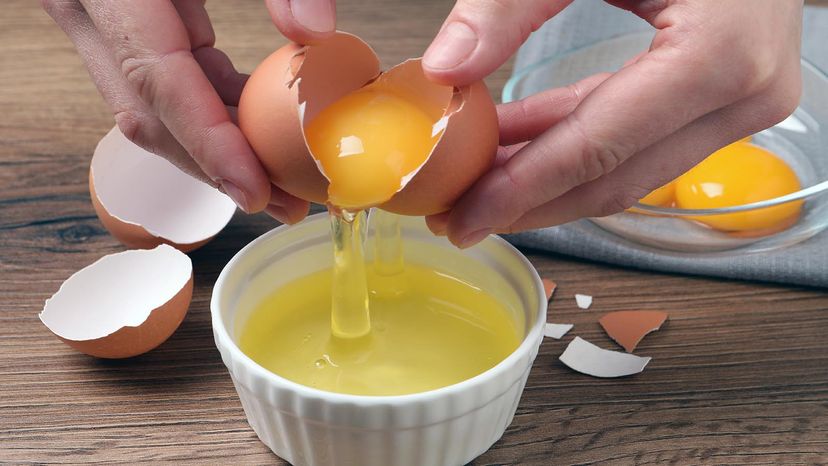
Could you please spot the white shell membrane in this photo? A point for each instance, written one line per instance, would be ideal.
(141, 188)
(119, 290)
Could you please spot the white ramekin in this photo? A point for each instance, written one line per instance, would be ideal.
(305, 426)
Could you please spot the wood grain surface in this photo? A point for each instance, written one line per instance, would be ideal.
(739, 373)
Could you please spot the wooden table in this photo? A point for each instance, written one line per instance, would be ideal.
(739, 374)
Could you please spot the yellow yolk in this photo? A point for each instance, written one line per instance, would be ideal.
(368, 142)
(740, 173)
(662, 197)
(428, 330)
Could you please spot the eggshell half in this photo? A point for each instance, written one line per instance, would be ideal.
(124, 304)
(465, 151)
(293, 84)
(144, 200)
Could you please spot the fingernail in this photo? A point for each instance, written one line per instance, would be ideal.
(451, 47)
(235, 193)
(279, 213)
(316, 15)
(474, 237)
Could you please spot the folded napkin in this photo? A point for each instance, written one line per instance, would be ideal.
(588, 21)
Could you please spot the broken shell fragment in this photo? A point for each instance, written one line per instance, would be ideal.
(584, 301)
(628, 328)
(549, 288)
(586, 358)
(556, 331)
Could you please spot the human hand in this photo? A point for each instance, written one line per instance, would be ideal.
(716, 71)
(172, 92)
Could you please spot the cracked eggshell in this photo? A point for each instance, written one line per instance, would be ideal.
(144, 200)
(466, 150)
(123, 305)
(293, 84)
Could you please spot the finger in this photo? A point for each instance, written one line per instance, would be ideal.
(438, 223)
(152, 47)
(662, 162)
(480, 35)
(197, 22)
(525, 119)
(216, 64)
(285, 207)
(635, 59)
(73, 20)
(304, 21)
(221, 73)
(628, 112)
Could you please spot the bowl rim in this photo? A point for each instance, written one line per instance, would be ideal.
(224, 341)
(508, 95)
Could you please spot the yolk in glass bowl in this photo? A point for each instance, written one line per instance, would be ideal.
(741, 173)
(664, 196)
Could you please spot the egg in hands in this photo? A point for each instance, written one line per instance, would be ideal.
(331, 128)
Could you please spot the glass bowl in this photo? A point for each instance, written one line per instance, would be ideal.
(800, 140)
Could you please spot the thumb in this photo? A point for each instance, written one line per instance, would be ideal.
(480, 35)
(303, 21)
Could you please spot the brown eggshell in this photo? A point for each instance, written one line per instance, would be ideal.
(463, 154)
(293, 83)
(123, 305)
(146, 201)
(628, 328)
(549, 288)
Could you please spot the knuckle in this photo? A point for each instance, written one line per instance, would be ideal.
(780, 101)
(142, 70)
(515, 200)
(756, 72)
(597, 157)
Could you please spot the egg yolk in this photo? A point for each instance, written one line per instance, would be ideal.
(368, 143)
(661, 197)
(737, 174)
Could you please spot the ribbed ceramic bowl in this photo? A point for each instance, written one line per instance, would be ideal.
(801, 141)
(306, 426)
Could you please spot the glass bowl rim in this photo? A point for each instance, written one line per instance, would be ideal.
(508, 95)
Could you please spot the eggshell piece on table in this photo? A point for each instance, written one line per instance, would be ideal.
(290, 87)
(628, 328)
(123, 305)
(556, 331)
(549, 288)
(144, 200)
(584, 301)
(586, 358)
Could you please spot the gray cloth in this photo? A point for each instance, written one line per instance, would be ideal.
(588, 21)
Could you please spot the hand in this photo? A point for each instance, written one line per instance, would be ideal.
(172, 92)
(716, 71)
